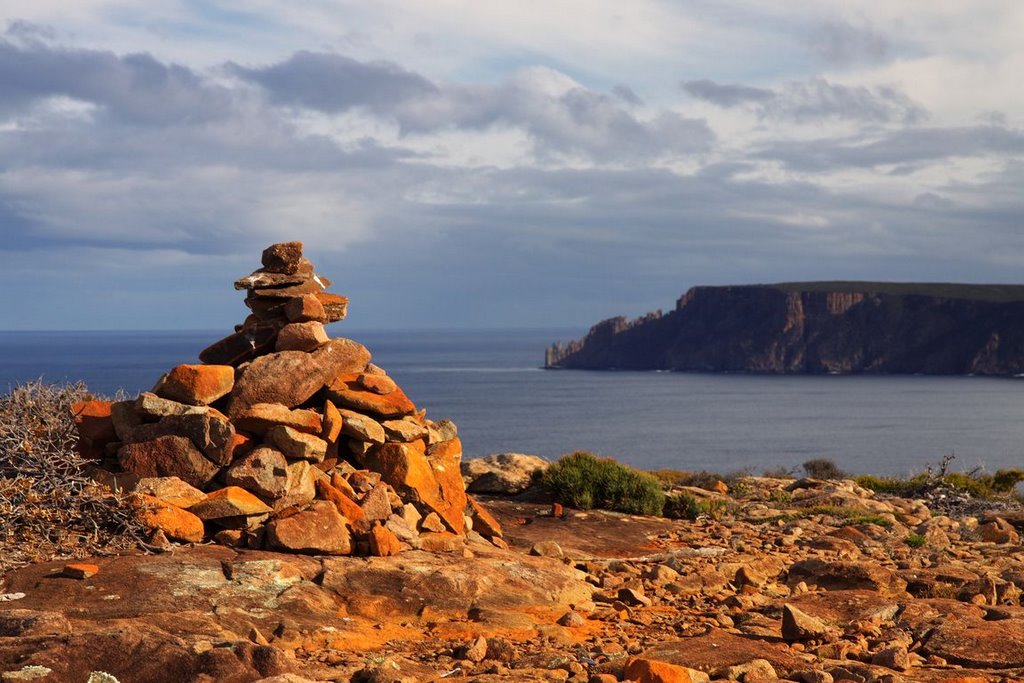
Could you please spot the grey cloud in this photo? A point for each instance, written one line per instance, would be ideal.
(332, 83)
(725, 95)
(626, 94)
(840, 42)
(578, 121)
(818, 98)
(135, 88)
(902, 147)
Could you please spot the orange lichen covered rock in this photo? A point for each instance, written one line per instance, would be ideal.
(346, 391)
(95, 427)
(197, 385)
(383, 542)
(653, 671)
(177, 524)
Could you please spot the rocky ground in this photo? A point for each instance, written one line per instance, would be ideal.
(804, 580)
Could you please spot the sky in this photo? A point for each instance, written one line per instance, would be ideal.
(478, 164)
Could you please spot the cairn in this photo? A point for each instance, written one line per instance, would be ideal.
(285, 439)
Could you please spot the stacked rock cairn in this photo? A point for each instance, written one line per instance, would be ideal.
(285, 439)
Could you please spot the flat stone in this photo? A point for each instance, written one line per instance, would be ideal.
(263, 472)
(307, 336)
(840, 575)
(80, 570)
(798, 625)
(168, 456)
(319, 530)
(652, 671)
(196, 384)
(377, 383)
(407, 429)
(261, 417)
(361, 427)
(306, 308)
(171, 490)
(977, 643)
(297, 445)
(344, 389)
(149, 405)
(242, 346)
(292, 377)
(484, 522)
(335, 306)
(230, 501)
(177, 524)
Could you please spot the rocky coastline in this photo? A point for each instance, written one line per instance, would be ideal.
(815, 328)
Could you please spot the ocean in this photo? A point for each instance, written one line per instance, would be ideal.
(490, 383)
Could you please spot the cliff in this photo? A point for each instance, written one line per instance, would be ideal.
(816, 327)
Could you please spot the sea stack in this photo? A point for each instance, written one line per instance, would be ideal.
(286, 439)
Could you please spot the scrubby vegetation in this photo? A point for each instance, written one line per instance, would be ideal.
(49, 507)
(975, 484)
(701, 479)
(823, 468)
(915, 540)
(586, 481)
(685, 506)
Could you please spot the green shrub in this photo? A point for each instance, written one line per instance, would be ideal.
(585, 481)
(823, 468)
(685, 506)
(915, 540)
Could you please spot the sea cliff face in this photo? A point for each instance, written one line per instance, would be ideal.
(816, 328)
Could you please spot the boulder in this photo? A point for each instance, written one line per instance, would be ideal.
(297, 445)
(292, 377)
(168, 456)
(998, 531)
(229, 502)
(95, 427)
(361, 427)
(208, 430)
(283, 257)
(264, 472)
(407, 429)
(652, 671)
(306, 308)
(319, 530)
(305, 336)
(196, 384)
(798, 625)
(241, 346)
(383, 542)
(177, 524)
(171, 490)
(503, 473)
(845, 575)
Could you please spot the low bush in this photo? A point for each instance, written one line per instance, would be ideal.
(585, 481)
(915, 540)
(685, 506)
(823, 468)
(49, 507)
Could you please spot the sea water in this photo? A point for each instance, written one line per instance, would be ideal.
(490, 383)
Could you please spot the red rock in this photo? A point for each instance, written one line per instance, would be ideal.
(80, 570)
(484, 522)
(843, 575)
(171, 490)
(319, 530)
(95, 427)
(998, 531)
(377, 383)
(444, 460)
(230, 501)
(344, 389)
(297, 445)
(306, 308)
(798, 625)
(241, 346)
(332, 423)
(208, 430)
(335, 306)
(345, 505)
(259, 418)
(283, 257)
(383, 543)
(653, 671)
(263, 472)
(168, 456)
(292, 377)
(196, 384)
(439, 542)
(177, 524)
(376, 505)
(361, 427)
(307, 336)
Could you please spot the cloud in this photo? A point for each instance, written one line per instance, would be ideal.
(626, 94)
(817, 98)
(333, 83)
(724, 95)
(901, 147)
(842, 43)
(134, 88)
